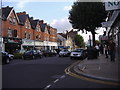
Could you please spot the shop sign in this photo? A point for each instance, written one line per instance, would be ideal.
(104, 37)
(28, 42)
(112, 4)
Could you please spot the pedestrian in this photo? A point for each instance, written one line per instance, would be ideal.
(106, 50)
(111, 47)
(101, 49)
(97, 49)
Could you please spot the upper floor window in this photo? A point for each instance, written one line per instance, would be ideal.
(37, 37)
(15, 33)
(9, 33)
(10, 20)
(14, 21)
(25, 35)
(38, 28)
(27, 25)
(29, 36)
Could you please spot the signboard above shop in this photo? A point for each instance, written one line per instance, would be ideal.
(112, 5)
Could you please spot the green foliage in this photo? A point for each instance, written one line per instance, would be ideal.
(79, 41)
(87, 16)
(18, 55)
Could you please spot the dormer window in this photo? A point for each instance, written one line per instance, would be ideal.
(27, 24)
(14, 21)
(10, 20)
(38, 28)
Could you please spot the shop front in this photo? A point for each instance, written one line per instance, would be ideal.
(27, 44)
(11, 45)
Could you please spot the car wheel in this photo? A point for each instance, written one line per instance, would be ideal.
(23, 57)
(71, 57)
(33, 57)
(11, 58)
(40, 56)
(7, 61)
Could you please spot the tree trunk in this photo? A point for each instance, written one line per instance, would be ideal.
(93, 37)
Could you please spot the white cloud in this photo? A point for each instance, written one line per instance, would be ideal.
(21, 3)
(67, 8)
(61, 25)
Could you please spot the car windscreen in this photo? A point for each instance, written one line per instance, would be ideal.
(77, 50)
(64, 50)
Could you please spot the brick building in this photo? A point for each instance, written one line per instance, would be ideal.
(23, 32)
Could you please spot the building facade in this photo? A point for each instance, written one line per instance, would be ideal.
(113, 24)
(23, 32)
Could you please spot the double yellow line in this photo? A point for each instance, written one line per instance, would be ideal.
(67, 71)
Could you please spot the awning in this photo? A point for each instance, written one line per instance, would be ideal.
(111, 20)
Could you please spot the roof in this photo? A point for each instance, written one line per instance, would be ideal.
(6, 11)
(42, 26)
(34, 23)
(22, 18)
(63, 35)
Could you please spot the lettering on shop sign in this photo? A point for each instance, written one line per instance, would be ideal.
(112, 4)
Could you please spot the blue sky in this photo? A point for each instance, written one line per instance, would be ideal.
(53, 12)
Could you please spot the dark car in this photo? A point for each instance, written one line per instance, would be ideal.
(31, 54)
(5, 58)
(40, 53)
(11, 56)
(64, 52)
(79, 53)
(49, 53)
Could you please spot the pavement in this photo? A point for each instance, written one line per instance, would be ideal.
(101, 68)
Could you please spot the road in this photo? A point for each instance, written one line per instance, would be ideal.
(45, 73)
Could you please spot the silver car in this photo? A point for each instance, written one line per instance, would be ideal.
(79, 54)
(64, 52)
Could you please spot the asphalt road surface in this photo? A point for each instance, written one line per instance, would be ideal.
(45, 73)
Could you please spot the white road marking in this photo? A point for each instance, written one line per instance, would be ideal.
(63, 76)
(56, 80)
(48, 86)
(99, 68)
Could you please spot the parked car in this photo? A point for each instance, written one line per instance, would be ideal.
(50, 53)
(11, 56)
(32, 54)
(79, 53)
(40, 52)
(64, 52)
(5, 58)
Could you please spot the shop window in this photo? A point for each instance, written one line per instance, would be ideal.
(10, 20)
(9, 33)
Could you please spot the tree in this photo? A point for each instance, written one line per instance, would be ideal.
(87, 16)
(79, 41)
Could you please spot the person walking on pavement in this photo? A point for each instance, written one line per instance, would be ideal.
(106, 50)
(111, 47)
(97, 49)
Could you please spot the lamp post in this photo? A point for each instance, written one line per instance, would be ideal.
(1, 44)
(1, 26)
(90, 40)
